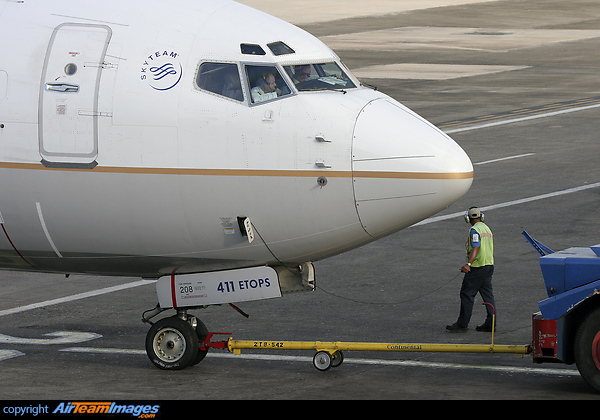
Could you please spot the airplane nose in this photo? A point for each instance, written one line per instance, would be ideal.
(404, 168)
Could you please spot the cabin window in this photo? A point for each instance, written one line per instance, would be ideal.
(252, 49)
(265, 83)
(325, 76)
(222, 79)
(280, 48)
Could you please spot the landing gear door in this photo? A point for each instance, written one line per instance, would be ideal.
(68, 107)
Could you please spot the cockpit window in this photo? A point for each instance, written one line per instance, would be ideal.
(265, 83)
(252, 49)
(222, 79)
(325, 76)
(280, 48)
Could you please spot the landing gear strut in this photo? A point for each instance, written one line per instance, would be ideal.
(173, 343)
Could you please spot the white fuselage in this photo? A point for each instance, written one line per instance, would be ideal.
(118, 158)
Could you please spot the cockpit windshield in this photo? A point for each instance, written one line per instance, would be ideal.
(315, 77)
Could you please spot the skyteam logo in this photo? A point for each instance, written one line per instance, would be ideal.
(162, 70)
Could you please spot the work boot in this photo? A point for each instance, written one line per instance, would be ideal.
(456, 328)
(484, 328)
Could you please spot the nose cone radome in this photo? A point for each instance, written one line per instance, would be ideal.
(404, 168)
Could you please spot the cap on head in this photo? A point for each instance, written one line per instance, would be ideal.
(473, 213)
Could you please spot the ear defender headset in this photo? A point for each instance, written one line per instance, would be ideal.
(473, 213)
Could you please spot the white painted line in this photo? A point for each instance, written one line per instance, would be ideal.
(104, 350)
(506, 369)
(9, 354)
(76, 297)
(62, 337)
(515, 120)
(360, 361)
(506, 158)
(510, 203)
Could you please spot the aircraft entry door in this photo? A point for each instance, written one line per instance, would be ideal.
(68, 108)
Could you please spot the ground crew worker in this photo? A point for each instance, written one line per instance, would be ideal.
(478, 272)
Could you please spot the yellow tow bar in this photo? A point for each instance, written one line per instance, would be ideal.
(329, 354)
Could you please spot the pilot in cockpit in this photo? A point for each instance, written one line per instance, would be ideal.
(266, 89)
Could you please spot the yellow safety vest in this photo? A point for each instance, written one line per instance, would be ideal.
(485, 256)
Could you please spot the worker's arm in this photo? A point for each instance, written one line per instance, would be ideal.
(467, 267)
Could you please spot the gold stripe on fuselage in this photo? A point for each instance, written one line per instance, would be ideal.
(247, 172)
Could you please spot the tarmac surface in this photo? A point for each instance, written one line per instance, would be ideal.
(516, 84)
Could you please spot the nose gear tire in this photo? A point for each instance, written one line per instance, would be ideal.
(172, 344)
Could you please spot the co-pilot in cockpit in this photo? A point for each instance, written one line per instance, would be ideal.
(323, 76)
(266, 83)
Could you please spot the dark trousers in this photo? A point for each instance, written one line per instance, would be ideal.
(478, 280)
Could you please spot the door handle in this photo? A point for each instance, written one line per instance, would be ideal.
(62, 87)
